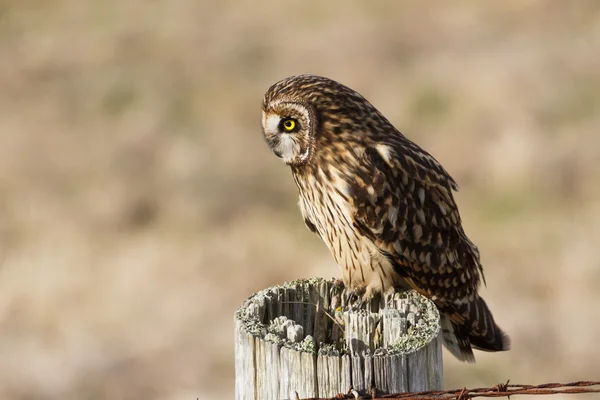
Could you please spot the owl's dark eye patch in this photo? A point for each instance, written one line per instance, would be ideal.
(289, 125)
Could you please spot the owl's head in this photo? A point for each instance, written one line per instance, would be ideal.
(289, 125)
(307, 114)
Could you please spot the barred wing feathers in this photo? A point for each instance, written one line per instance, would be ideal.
(403, 202)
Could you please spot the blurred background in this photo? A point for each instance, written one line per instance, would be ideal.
(139, 204)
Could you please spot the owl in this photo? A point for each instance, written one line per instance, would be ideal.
(383, 206)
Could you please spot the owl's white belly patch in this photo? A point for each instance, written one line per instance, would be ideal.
(361, 263)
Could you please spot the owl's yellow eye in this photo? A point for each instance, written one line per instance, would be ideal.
(288, 124)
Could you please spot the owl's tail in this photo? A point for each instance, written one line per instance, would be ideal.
(471, 325)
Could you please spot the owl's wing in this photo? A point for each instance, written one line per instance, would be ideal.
(403, 202)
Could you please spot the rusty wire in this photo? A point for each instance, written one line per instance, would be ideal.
(500, 390)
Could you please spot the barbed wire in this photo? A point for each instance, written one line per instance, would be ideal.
(500, 390)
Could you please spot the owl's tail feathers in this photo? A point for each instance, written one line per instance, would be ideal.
(457, 344)
(471, 325)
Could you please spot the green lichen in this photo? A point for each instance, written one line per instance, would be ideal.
(328, 349)
(426, 328)
(273, 338)
(299, 283)
(309, 345)
(255, 328)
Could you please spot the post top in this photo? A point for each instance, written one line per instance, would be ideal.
(313, 315)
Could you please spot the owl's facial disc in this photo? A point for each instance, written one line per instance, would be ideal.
(286, 126)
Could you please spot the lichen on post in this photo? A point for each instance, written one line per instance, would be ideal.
(313, 338)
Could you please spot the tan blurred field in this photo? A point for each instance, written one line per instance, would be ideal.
(139, 204)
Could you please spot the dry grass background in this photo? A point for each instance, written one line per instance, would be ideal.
(139, 205)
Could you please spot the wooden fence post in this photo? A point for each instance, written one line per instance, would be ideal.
(308, 337)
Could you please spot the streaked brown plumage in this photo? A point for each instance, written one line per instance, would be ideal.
(383, 206)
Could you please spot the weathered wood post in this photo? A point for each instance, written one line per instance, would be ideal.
(309, 337)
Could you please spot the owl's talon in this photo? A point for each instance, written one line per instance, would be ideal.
(338, 283)
(335, 293)
(357, 298)
(364, 302)
(349, 297)
(360, 304)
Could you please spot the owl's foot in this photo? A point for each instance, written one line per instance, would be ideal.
(355, 298)
(359, 297)
(352, 298)
(338, 284)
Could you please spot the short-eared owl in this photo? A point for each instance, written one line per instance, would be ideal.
(382, 205)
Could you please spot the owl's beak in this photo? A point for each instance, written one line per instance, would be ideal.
(277, 153)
